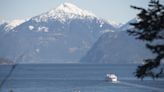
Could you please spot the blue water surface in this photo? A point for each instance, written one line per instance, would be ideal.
(75, 78)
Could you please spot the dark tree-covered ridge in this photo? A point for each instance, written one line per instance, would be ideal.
(150, 28)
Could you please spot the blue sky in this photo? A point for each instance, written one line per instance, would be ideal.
(117, 10)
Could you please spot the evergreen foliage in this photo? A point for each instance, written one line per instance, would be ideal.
(150, 29)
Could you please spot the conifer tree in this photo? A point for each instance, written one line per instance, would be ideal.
(150, 29)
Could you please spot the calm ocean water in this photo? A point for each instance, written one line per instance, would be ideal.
(75, 78)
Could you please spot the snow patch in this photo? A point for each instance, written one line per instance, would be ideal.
(101, 25)
(42, 29)
(115, 24)
(10, 25)
(16, 22)
(31, 27)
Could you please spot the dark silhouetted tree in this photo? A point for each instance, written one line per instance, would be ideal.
(150, 28)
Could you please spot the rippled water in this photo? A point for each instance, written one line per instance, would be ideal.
(75, 78)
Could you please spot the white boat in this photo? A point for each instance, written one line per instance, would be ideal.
(111, 77)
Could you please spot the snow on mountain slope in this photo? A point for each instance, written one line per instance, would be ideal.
(2, 26)
(61, 35)
(72, 9)
(7, 26)
(63, 13)
(12, 24)
(115, 24)
(117, 48)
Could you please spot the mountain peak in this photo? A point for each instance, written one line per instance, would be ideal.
(63, 12)
(72, 9)
(68, 6)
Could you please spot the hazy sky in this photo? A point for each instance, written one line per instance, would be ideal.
(117, 10)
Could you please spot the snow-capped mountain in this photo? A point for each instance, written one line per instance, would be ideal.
(8, 26)
(14, 23)
(117, 48)
(115, 24)
(64, 12)
(61, 35)
(4, 27)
